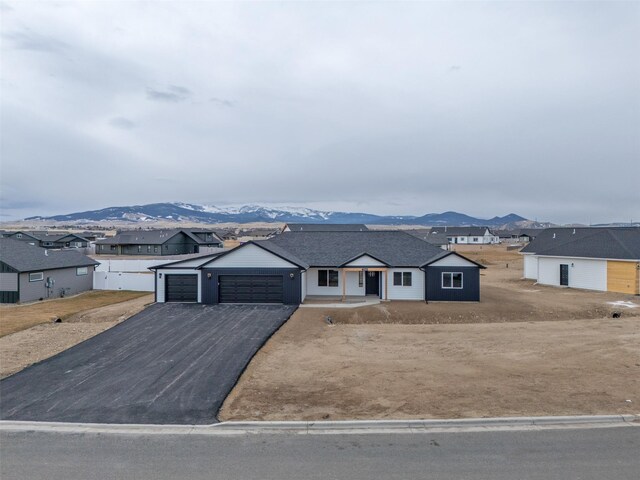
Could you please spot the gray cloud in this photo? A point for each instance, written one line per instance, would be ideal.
(173, 93)
(28, 40)
(122, 122)
(391, 108)
(222, 102)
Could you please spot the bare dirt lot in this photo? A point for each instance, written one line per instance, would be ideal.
(524, 349)
(21, 349)
(14, 318)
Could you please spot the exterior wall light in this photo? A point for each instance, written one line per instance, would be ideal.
(209, 275)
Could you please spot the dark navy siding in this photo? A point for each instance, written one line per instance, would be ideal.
(469, 293)
(291, 286)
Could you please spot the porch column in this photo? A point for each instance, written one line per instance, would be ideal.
(386, 284)
(344, 284)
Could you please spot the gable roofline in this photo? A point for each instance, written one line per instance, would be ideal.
(362, 255)
(284, 255)
(446, 254)
(204, 257)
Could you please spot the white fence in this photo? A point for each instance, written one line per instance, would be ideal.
(140, 282)
(125, 274)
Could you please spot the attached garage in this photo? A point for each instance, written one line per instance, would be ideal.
(181, 288)
(250, 289)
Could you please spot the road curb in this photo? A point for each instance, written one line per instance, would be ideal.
(334, 427)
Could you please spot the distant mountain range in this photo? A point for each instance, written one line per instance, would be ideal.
(185, 212)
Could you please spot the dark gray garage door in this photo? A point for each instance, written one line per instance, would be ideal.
(250, 289)
(181, 288)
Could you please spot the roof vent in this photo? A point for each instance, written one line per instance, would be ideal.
(574, 231)
(554, 235)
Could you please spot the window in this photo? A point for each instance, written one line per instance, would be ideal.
(82, 271)
(139, 248)
(475, 239)
(18, 235)
(451, 280)
(148, 248)
(36, 277)
(360, 278)
(155, 249)
(113, 248)
(327, 278)
(402, 279)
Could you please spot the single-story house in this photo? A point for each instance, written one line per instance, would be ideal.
(468, 235)
(29, 272)
(324, 227)
(390, 265)
(50, 239)
(427, 235)
(256, 234)
(604, 259)
(158, 242)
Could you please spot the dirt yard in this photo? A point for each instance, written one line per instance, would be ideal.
(21, 349)
(523, 350)
(14, 318)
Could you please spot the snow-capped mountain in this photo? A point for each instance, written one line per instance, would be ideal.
(187, 212)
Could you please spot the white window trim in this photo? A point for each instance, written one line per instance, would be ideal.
(452, 287)
(36, 279)
(79, 269)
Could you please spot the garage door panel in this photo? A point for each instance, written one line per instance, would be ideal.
(250, 289)
(181, 288)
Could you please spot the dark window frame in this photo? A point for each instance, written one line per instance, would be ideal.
(402, 279)
(328, 278)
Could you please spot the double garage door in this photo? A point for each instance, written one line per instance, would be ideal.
(231, 289)
(250, 289)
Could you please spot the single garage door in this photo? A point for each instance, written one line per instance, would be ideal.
(181, 288)
(250, 289)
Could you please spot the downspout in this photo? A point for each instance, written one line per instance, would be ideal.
(425, 284)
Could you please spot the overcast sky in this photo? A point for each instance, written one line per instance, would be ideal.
(387, 107)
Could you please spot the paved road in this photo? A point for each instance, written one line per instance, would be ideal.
(600, 453)
(170, 364)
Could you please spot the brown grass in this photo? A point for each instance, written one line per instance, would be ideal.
(14, 318)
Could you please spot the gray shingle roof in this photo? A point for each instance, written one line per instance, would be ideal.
(426, 235)
(327, 227)
(28, 258)
(150, 237)
(332, 249)
(614, 243)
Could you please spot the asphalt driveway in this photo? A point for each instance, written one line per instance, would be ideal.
(170, 364)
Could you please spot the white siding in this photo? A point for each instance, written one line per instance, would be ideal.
(249, 256)
(8, 282)
(303, 291)
(351, 285)
(588, 274)
(365, 261)
(414, 292)
(181, 271)
(453, 260)
(531, 267)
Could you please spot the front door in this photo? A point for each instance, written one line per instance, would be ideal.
(564, 275)
(372, 283)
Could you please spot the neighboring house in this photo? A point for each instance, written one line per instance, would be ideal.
(437, 239)
(468, 235)
(158, 242)
(390, 265)
(324, 227)
(244, 236)
(604, 259)
(50, 240)
(29, 272)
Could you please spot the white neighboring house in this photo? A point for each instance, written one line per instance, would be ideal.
(468, 235)
(603, 259)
